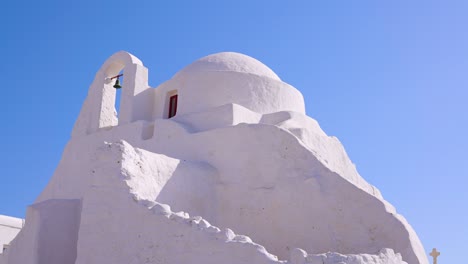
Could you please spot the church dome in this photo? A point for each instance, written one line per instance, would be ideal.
(229, 62)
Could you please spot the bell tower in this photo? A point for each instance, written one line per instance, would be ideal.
(98, 110)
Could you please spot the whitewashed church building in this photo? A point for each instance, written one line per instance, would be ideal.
(219, 164)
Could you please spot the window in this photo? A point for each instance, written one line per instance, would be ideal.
(172, 106)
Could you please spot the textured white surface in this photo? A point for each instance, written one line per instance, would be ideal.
(231, 62)
(201, 91)
(388, 256)
(240, 153)
(9, 228)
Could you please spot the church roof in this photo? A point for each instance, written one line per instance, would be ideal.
(11, 221)
(229, 62)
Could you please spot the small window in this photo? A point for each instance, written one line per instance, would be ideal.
(172, 106)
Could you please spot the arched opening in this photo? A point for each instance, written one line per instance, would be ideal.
(105, 106)
(116, 82)
(111, 100)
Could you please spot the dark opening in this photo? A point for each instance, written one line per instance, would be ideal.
(172, 106)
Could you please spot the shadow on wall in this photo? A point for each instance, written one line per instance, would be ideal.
(189, 188)
(50, 234)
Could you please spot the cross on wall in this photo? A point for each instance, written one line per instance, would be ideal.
(434, 255)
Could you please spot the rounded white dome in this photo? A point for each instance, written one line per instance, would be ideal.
(229, 62)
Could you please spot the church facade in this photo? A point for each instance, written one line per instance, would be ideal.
(219, 164)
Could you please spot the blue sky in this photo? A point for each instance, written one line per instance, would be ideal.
(388, 78)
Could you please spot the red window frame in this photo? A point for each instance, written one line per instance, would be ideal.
(172, 106)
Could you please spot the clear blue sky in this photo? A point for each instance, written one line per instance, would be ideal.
(388, 78)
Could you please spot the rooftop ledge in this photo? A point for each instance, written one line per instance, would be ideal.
(11, 221)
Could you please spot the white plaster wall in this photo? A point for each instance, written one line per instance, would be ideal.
(229, 62)
(23, 249)
(299, 256)
(9, 228)
(271, 182)
(328, 150)
(269, 179)
(50, 235)
(119, 225)
(200, 87)
(155, 234)
(217, 117)
(201, 91)
(242, 154)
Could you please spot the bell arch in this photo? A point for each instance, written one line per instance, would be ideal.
(98, 110)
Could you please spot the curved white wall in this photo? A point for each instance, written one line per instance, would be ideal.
(229, 62)
(200, 91)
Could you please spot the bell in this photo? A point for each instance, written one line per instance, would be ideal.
(117, 84)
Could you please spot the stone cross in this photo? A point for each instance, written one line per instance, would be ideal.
(434, 255)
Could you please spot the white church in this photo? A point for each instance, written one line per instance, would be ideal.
(219, 164)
